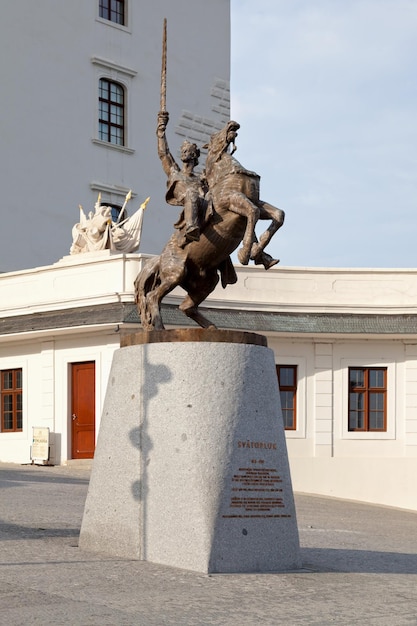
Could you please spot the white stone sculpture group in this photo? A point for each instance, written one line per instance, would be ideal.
(98, 231)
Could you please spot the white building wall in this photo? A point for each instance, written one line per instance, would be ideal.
(47, 389)
(15, 447)
(323, 399)
(300, 442)
(325, 457)
(51, 60)
(411, 400)
(370, 354)
(371, 467)
(330, 290)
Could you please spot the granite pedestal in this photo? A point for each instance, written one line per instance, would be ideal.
(191, 466)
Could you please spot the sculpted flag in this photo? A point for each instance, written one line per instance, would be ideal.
(126, 235)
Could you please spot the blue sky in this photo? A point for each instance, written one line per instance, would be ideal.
(326, 95)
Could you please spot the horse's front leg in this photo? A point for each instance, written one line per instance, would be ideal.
(277, 216)
(241, 205)
(154, 297)
(145, 283)
(167, 274)
(198, 292)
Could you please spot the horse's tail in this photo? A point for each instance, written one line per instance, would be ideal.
(145, 282)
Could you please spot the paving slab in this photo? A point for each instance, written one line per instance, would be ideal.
(359, 567)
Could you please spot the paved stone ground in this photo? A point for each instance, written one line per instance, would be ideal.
(360, 567)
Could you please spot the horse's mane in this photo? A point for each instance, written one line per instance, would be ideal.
(218, 144)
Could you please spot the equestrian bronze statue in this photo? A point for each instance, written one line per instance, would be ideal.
(220, 209)
(227, 215)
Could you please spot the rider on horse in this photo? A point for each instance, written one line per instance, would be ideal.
(184, 187)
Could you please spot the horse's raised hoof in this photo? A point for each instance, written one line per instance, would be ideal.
(256, 252)
(157, 324)
(243, 255)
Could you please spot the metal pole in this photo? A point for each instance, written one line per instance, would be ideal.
(163, 104)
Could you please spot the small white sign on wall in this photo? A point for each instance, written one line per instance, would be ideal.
(40, 444)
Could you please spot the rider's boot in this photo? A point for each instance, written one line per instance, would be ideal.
(192, 233)
(260, 257)
(265, 259)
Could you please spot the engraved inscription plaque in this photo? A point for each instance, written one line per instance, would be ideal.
(256, 486)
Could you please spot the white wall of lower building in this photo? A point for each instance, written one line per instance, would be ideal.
(47, 389)
(325, 457)
(389, 482)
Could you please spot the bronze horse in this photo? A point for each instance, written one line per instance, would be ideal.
(236, 188)
(234, 208)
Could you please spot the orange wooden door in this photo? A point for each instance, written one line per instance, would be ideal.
(83, 414)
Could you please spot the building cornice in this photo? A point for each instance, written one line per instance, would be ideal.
(125, 315)
(110, 65)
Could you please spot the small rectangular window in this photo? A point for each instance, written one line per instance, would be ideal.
(112, 10)
(11, 400)
(367, 399)
(287, 379)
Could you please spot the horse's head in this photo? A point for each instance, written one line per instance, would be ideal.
(219, 142)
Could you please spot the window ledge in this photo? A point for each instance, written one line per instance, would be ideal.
(294, 434)
(121, 27)
(368, 435)
(113, 146)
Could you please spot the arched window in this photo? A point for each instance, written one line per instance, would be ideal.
(111, 117)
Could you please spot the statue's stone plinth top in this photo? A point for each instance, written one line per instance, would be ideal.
(192, 334)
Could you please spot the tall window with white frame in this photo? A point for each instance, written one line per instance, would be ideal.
(11, 401)
(111, 117)
(287, 379)
(113, 10)
(367, 399)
